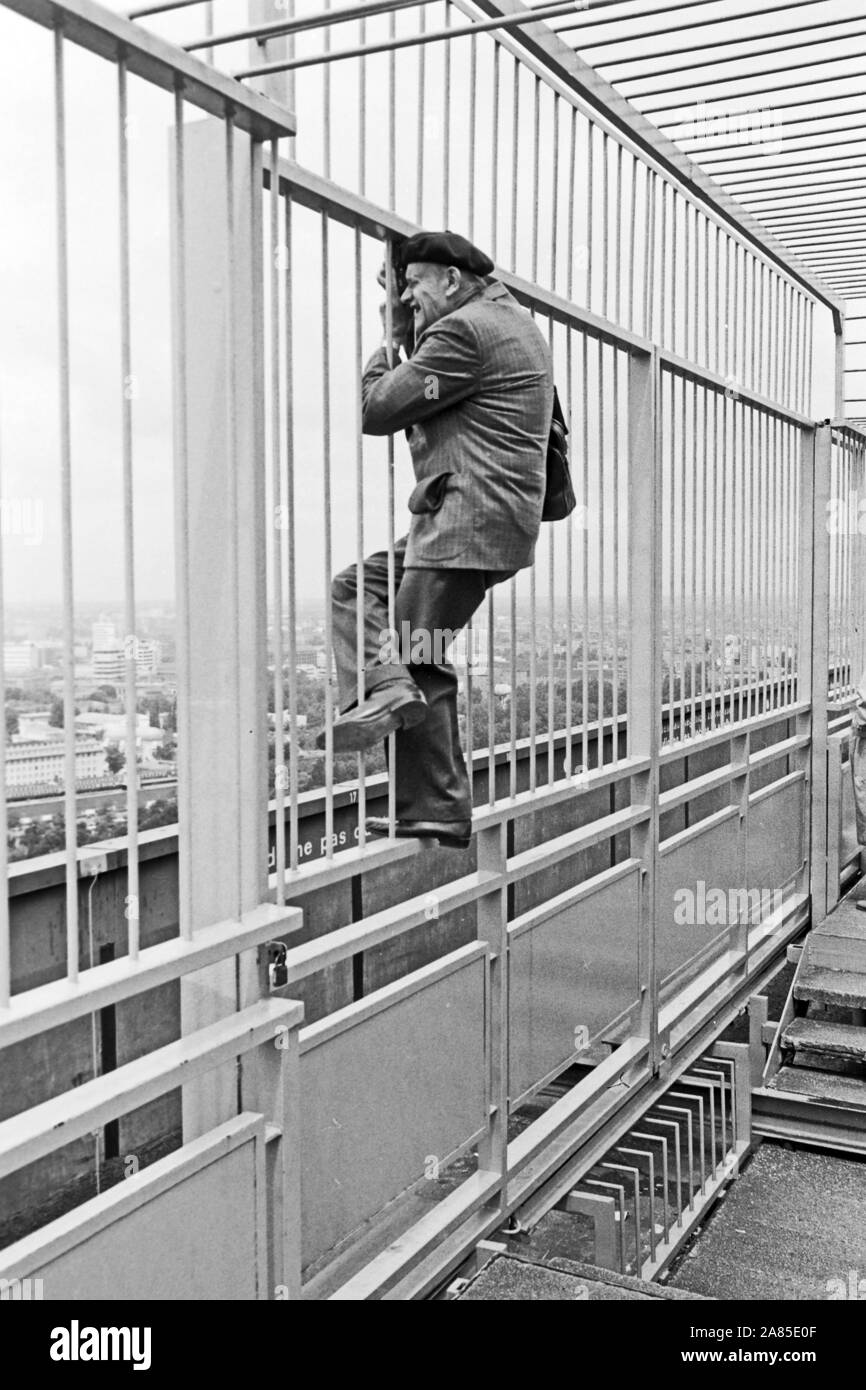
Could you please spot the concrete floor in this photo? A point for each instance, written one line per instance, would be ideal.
(793, 1227)
(507, 1279)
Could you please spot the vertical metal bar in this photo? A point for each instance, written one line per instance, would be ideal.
(688, 299)
(360, 658)
(554, 208)
(686, 1113)
(5, 943)
(741, 523)
(491, 700)
(751, 670)
(569, 573)
(422, 106)
(473, 78)
(631, 220)
(231, 406)
(693, 575)
(753, 316)
(777, 336)
(759, 538)
(798, 353)
(760, 269)
(618, 270)
(181, 465)
(536, 159)
(569, 280)
(810, 358)
(533, 684)
(675, 267)
(649, 233)
(787, 553)
(775, 532)
(717, 294)
(327, 501)
(361, 118)
(584, 711)
(291, 92)
(605, 222)
(277, 552)
(515, 160)
(640, 1153)
(669, 412)
(551, 632)
(326, 103)
(208, 28)
(446, 124)
(644, 662)
(714, 552)
(602, 527)
(730, 325)
(469, 637)
(706, 679)
(706, 224)
(292, 605)
(742, 316)
(494, 187)
(590, 210)
(679, 1095)
(616, 559)
(723, 402)
(392, 114)
(659, 1139)
(512, 699)
(69, 805)
(683, 529)
(131, 638)
(392, 570)
(663, 266)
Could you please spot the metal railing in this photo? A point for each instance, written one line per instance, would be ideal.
(675, 634)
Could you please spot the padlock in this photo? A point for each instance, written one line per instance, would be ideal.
(278, 972)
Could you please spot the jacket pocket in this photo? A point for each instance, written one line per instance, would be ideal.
(429, 494)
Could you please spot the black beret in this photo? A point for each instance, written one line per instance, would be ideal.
(445, 248)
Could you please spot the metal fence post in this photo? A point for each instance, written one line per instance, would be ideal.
(645, 676)
(222, 799)
(493, 928)
(820, 662)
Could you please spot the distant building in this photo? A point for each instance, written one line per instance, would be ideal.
(109, 655)
(307, 656)
(20, 658)
(108, 666)
(42, 763)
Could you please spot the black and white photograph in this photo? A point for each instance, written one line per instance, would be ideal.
(433, 608)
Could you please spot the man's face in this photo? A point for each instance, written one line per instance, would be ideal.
(430, 291)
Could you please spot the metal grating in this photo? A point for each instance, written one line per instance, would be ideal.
(651, 1190)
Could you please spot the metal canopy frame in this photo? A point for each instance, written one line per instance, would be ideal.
(730, 69)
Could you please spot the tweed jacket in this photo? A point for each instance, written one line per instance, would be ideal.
(476, 399)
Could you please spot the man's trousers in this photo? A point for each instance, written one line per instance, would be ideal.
(430, 605)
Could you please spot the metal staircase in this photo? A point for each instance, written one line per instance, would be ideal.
(814, 1083)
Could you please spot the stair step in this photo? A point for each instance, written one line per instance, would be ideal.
(820, 1086)
(840, 942)
(837, 1039)
(816, 983)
